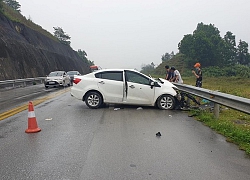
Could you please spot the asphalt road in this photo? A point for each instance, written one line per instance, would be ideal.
(14, 97)
(115, 144)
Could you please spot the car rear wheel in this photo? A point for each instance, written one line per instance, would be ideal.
(166, 102)
(93, 100)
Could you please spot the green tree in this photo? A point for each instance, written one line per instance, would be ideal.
(165, 57)
(62, 36)
(243, 56)
(204, 45)
(1, 6)
(13, 4)
(147, 69)
(186, 46)
(207, 44)
(229, 50)
(82, 54)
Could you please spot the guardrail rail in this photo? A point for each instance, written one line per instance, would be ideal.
(219, 98)
(21, 82)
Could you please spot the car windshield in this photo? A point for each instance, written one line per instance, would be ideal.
(55, 74)
(72, 73)
(158, 80)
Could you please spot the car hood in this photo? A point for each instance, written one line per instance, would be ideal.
(54, 77)
(167, 83)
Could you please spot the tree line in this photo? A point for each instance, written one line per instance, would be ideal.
(11, 3)
(206, 46)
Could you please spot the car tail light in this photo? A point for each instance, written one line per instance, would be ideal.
(76, 80)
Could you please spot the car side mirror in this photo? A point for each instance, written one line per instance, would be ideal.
(152, 84)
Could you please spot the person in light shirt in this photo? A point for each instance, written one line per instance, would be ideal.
(177, 76)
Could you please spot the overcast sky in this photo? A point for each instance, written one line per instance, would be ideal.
(129, 33)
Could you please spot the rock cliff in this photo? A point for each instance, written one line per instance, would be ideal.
(27, 53)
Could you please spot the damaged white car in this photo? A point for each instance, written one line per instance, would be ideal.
(124, 86)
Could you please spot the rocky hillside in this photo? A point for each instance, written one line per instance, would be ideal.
(25, 52)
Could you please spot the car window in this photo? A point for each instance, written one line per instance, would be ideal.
(137, 78)
(55, 74)
(111, 75)
(73, 73)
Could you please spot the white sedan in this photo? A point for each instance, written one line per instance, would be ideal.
(123, 86)
(57, 78)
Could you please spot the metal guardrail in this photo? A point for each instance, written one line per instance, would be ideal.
(228, 100)
(20, 82)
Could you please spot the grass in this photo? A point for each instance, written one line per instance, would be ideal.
(234, 125)
(231, 85)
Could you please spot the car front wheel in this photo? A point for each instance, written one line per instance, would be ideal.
(93, 100)
(166, 102)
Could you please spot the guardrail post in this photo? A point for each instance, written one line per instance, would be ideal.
(216, 110)
(188, 102)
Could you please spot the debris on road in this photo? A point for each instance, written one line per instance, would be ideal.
(192, 115)
(158, 134)
(48, 119)
(139, 108)
(115, 109)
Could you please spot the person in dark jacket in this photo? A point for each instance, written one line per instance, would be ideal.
(169, 74)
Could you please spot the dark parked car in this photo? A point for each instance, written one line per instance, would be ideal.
(72, 74)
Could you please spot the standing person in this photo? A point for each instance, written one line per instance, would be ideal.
(177, 76)
(169, 74)
(198, 74)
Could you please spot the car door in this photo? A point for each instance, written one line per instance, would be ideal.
(138, 89)
(111, 85)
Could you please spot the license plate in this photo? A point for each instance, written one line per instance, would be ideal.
(51, 82)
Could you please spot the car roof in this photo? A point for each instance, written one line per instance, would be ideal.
(103, 70)
(72, 71)
(57, 71)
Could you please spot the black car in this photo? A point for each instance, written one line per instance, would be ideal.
(72, 74)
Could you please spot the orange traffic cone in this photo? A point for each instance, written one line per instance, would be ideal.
(32, 124)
